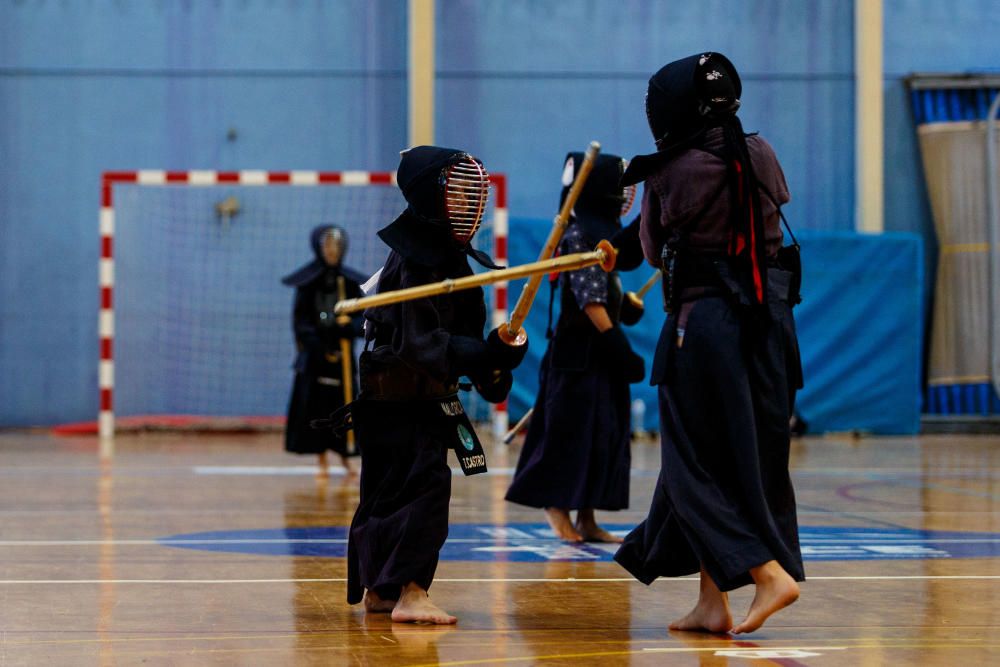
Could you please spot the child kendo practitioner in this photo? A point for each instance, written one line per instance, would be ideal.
(408, 413)
(320, 365)
(727, 362)
(576, 455)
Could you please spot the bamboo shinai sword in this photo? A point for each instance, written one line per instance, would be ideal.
(636, 297)
(603, 255)
(346, 365)
(512, 332)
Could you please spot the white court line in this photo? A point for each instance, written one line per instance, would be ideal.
(302, 470)
(338, 471)
(829, 472)
(880, 542)
(890, 540)
(568, 580)
(744, 649)
(170, 542)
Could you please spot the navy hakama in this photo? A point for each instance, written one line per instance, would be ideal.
(408, 414)
(402, 520)
(724, 498)
(315, 394)
(576, 454)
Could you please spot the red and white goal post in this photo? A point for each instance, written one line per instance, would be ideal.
(180, 248)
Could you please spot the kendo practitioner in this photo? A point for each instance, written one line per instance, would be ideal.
(318, 389)
(726, 364)
(408, 413)
(576, 455)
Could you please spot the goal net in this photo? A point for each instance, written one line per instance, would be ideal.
(195, 324)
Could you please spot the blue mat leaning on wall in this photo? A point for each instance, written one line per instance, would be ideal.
(860, 329)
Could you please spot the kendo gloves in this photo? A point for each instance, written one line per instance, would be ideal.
(467, 354)
(487, 363)
(471, 356)
(508, 357)
(632, 309)
(626, 242)
(493, 385)
(620, 356)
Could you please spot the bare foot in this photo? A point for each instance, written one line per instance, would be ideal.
(706, 618)
(598, 534)
(561, 524)
(376, 605)
(323, 468)
(711, 614)
(775, 590)
(415, 606)
(587, 527)
(701, 619)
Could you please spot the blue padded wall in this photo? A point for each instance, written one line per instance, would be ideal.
(859, 324)
(860, 328)
(524, 82)
(91, 86)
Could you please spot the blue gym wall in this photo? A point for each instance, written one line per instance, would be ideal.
(92, 85)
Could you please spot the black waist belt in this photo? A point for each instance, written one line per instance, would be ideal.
(699, 277)
(692, 277)
(701, 270)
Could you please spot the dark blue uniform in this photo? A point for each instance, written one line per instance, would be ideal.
(577, 454)
(408, 414)
(727, 363)
(318, 387)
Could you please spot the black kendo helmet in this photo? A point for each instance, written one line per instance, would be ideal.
(683, 99)
(446, 191)
(685, 96)
(603, 199)
(602, 193)
(319, 235)
(335, 234)
(445, 187)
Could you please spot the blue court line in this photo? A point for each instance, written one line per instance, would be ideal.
(531, 542)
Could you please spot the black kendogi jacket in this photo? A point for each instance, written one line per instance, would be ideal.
(316, 293)
(317, 390)
(424, 346)
(316, 330)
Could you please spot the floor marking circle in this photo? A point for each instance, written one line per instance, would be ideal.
(535, 542)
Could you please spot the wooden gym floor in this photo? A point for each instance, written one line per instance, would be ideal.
(197, 550)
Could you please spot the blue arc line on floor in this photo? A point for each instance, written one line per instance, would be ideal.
(534, 542)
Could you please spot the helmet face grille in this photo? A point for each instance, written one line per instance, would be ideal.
(466, 193)
(334, 246)
(628, 199)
